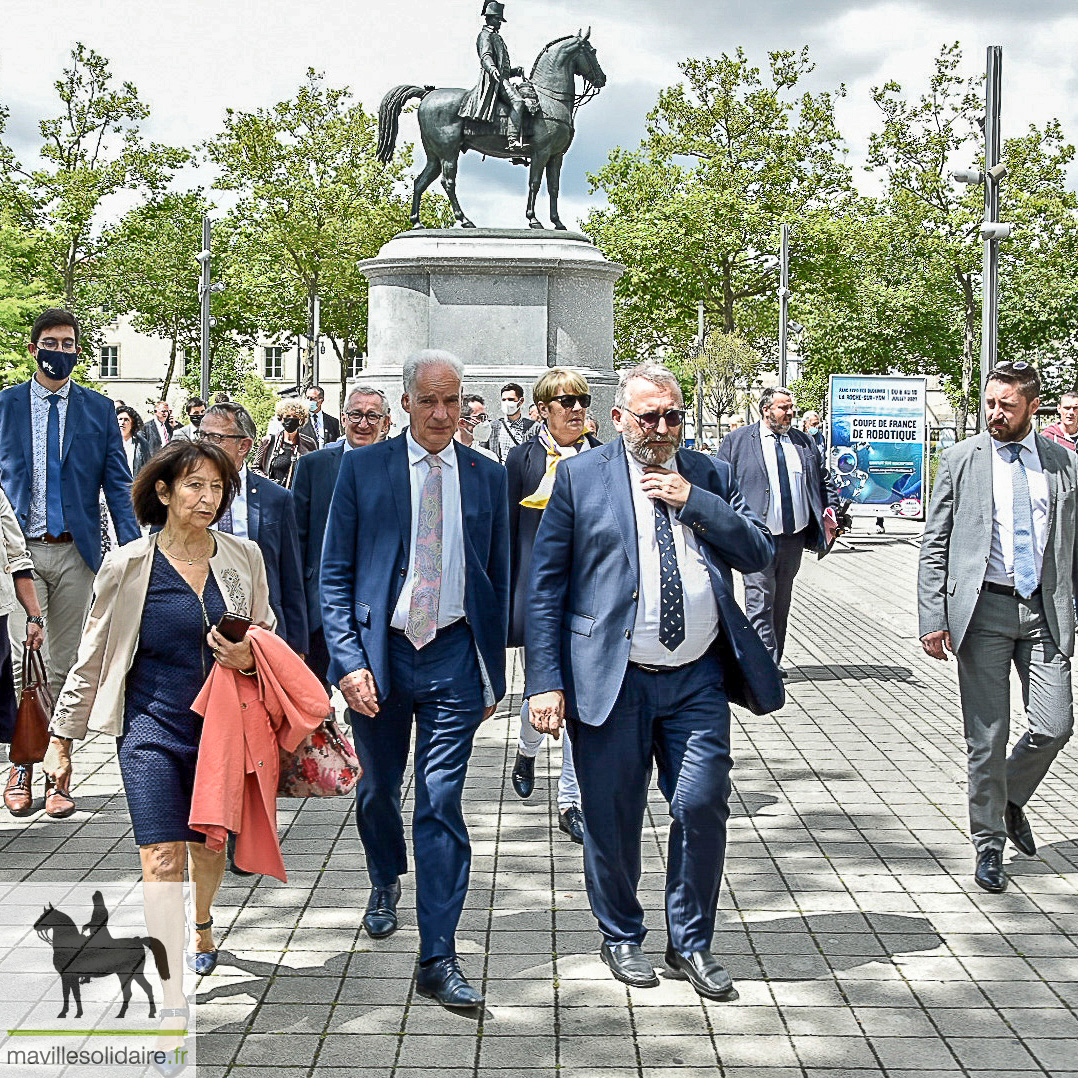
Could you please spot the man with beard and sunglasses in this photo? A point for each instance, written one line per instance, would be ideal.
(779, 471)
(633, 638)
(998, 576)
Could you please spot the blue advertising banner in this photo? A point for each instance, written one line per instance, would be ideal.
(877, 445)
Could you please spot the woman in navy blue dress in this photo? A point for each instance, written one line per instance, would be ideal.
(139, 672)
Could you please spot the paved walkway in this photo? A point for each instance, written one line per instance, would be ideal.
(848, 918)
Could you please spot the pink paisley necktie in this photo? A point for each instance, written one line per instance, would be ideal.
(427, 576)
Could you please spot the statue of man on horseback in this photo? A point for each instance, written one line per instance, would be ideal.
(530, 120)
(494, 85)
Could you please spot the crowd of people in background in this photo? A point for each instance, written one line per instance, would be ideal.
(399, 569)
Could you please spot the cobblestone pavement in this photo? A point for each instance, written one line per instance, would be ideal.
(849, 920)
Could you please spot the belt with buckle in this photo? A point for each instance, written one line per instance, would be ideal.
(1006, 589)
(63, 537)
(647, 668)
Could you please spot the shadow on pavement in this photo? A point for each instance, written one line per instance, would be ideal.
(850, 672)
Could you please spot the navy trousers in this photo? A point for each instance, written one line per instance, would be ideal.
(441, 688)
(681, 721)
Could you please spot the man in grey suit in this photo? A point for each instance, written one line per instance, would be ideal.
(996, 585)
(779, 472)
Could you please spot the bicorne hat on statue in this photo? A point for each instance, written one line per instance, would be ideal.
(492, 7)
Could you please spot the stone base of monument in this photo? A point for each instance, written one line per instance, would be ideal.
(509, 302)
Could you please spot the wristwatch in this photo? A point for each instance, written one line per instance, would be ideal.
(36, 619)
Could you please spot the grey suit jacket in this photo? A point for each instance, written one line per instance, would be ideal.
(958, 539)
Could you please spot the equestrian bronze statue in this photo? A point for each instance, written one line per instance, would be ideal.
(528, 121)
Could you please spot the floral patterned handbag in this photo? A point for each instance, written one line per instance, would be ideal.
(324, 765)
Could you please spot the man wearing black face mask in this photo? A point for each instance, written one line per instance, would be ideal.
(195, 409)
(60, 447)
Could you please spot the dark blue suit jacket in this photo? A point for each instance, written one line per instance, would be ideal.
(271, 523)
(312, 490)
(365, 558)
(585, 582)
(742, 450)
(525, 466)
(92, 459)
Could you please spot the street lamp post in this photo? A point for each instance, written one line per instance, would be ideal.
(698, 402)
(204, 286)
(784, 299)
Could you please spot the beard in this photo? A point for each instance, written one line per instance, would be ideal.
(652, 449)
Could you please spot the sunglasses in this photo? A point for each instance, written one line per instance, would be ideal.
(570, 400)
(650, 420)
(1007, 365)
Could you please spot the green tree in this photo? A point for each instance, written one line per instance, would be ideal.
(728, 367)
(23, 296)
(695, 212)
(314, 201)
(150, 272)
(90, 152)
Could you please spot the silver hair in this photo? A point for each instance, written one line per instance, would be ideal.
(366, 391)
(235, 414)
(649, 371)
(429, 357)
(769, 395)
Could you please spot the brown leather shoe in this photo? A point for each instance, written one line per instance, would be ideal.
(17, 795)
(58, 803)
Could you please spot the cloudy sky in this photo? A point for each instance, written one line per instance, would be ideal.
(192, 59)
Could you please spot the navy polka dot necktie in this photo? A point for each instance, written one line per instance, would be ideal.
(671, 598)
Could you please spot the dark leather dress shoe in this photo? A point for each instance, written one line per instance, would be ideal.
(380, 920)
(232, 866)
(629, 964)
(571, 821)
(1018, 829)
(524, 775)
(442, 980)
(703, 971)
(17, 795)
(990, 874)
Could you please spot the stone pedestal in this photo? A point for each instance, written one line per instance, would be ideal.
(509, 302)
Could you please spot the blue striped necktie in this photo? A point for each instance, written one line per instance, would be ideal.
(786, 494)
(1025, 566)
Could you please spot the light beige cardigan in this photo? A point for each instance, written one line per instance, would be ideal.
(13, 556)
(93, 695)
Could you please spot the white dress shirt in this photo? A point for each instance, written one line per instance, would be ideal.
(163, 432)
(451, 597)
(701, 609)
(1001, 557)
(239, 506)
(798, 488)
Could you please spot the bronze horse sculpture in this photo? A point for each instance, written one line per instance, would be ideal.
(445, 134)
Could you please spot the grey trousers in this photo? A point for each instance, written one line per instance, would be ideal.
(64, 585)
(1004, 630)
(768, 594)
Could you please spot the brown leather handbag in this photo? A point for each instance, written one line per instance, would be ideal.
(30, 740)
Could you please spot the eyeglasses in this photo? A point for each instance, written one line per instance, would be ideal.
(51, 344)
(370, 418)
(571, 400)
(650, 420)
(217, 439)
(475, 420)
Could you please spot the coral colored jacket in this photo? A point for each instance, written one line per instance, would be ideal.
(247, 721)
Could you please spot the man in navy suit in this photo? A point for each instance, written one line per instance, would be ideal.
(60, 447)
(633, 635)
(415, 609)
(779, 471)
(264, 512)
(366, 421)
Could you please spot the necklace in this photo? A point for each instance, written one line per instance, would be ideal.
(185, 556)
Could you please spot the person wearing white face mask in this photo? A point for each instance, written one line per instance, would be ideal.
(514, 428)
(474, 427)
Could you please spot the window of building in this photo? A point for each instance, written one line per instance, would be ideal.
(110, 361)
(355, 364)
(189, 361)
(274, 356)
